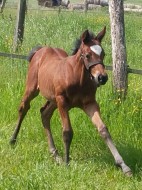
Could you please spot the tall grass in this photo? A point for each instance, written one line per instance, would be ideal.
(28, 165)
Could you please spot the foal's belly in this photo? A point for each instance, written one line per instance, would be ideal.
(47, 93)
(45, 85)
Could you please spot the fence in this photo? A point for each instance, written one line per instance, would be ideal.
(24, 57)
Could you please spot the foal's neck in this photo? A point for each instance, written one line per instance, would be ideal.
(80, 67)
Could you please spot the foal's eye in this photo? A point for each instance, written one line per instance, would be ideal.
(87, 56)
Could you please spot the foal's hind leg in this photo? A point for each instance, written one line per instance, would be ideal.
(93, 111)
(31, 92)
(46, 114)
(23, 109)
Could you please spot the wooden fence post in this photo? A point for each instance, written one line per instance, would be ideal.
(85, 5)
(19, 30)
(2, 5)
(120, 78)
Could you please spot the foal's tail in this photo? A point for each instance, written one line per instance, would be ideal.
(32, 52)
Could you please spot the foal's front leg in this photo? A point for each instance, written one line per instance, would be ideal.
(67, 129)
(94, 112)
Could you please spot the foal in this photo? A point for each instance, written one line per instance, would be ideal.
(67, 82)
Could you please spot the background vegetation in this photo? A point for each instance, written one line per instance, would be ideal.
(137, 2)
(34, 3)
(28, 165)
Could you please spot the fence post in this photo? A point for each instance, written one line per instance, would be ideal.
(85, 5)
(19, 30)
(120, 78)
(2, 5)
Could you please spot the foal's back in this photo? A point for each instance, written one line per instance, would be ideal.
(43, 63)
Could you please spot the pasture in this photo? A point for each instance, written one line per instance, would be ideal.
(28, 165)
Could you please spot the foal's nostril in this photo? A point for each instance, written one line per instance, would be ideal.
(102, 79)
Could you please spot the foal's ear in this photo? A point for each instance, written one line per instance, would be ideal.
(101, 34)
(85, 37)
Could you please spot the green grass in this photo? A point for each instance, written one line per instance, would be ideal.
(28, 165)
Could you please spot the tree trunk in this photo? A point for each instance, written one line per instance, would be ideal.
(19, 31)
(120, 79)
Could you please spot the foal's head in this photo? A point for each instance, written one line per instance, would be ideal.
(92, 54)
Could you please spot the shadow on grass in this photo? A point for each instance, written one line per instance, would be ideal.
(132, 156)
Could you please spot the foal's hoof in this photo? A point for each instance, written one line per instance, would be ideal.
(56, 157)
(129, 174)
(58, 160)
(127, 171)
(12, 141)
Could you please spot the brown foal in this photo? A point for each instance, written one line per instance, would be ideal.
(67, 82)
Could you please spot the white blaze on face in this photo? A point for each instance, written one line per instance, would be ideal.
(96, 49)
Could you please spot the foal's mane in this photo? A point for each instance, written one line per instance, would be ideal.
(76, 47)
(77, 43)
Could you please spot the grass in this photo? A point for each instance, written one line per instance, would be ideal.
(29, 165)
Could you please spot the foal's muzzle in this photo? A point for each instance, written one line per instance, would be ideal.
(100, 79)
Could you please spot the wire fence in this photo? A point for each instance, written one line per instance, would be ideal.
(59, 9)
(108, 67)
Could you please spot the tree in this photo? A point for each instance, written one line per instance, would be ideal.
(19, 31)
(120, 79)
